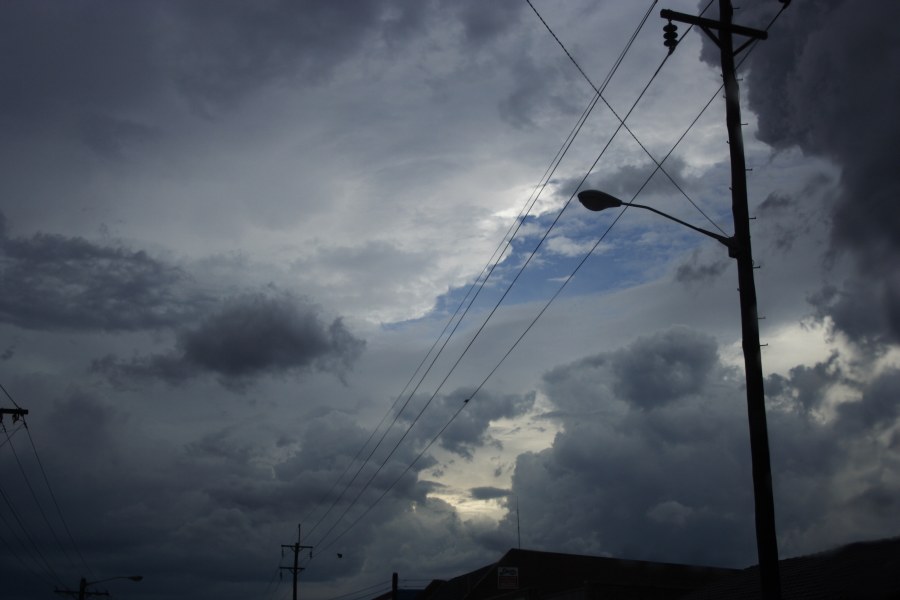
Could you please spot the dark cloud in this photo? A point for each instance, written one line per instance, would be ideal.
(469, 430)
(482, 22)
(111, 136)
(488, 493)
(650, 373)
(90, 68)
(249, 336)
(811, 86)
(626, 180)
(221, 50)
(56, 282)
(877, 409)
(673, 483)
(63, 58)
(525, 104)
(694, 272)
(237, 490)
(654, 371)
(806, 386)
(864, 307)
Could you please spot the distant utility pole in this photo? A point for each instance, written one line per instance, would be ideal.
(82, 592)
(766, 541)
(295, 548)
(83, 585)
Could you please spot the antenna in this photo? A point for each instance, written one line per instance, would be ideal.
(518, 528)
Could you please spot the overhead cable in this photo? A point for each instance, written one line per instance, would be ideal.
(499, 302)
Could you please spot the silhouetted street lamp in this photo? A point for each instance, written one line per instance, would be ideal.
(84, 583)
(764, 503)
(596, 201)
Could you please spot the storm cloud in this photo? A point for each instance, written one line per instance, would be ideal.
(249, 336)
(808, 89)
(233, 228)
(638, 483)
(55, 282)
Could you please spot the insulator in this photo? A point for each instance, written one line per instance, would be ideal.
(670, 36)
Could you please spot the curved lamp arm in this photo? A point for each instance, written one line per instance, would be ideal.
(596, 201)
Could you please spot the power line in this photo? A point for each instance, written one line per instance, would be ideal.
(18, 555)
(624, 208)
(368, 590)
(487, 271)
(489, 267)
(499, 302)
(40, 464)
(56, 503)
(620, 119)
(9, 436)
(37, 501)
(541, 312)
(46, 480)
(31, 548)
(10, 397)
(397, 480)
(543, 309)
(270, 591)
(534, 321)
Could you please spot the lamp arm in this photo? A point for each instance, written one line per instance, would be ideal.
(728, 242)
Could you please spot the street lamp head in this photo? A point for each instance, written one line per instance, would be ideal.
(596, 200)
(135, 577)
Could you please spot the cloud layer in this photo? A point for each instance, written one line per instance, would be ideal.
(247, 337)
(653, 458)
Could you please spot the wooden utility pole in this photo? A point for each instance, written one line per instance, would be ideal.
(766, 541)
(82, 592)
(295, 548)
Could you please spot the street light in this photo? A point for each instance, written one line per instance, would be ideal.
(764, 503)
(84, 583)
(596, 201)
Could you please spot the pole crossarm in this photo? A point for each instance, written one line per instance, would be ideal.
(672, 15)
(16, 413)
(710, 25)
(79, 594)
(83, 585)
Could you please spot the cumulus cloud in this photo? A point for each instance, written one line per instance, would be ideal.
(249, 336)
(652, 460)
(120, 59)
(470, 429)
(57, 282)
(696, 272)
(211, 52)
(809, 90)
(488, 493)
(236, 488)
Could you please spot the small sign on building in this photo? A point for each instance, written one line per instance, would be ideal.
(507, 578)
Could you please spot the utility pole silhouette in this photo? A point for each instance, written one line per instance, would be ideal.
(82, 592)
(766, 541)
(295, 548)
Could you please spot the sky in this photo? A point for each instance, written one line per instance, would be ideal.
(268, 264)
